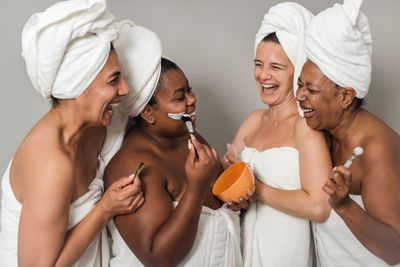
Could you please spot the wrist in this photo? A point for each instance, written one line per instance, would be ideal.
(104, 213)
(345, 206)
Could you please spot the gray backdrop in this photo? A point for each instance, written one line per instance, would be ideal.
(212, 41)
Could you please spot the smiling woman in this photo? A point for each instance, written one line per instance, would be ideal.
(181, 222)
(58, 159)
(288, 158)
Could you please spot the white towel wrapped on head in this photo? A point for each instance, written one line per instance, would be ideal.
(67, 45)
(139, 52)
(288, 20)
(339, 42)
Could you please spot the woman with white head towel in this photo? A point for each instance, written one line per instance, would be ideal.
(53, 212)
(363, 228)
(288, 158)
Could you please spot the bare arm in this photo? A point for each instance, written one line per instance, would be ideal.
(157, 234)
(309, 202)
(43, 239)
(377, 228)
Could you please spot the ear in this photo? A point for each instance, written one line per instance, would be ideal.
(347, 96)
(147, 115)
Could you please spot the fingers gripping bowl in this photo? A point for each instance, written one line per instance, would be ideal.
(234, 182)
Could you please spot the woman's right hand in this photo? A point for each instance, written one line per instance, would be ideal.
(230, 156)
(123, 196)
(202, 164)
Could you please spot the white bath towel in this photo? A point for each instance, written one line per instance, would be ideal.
(139, 52)
(270, 237)
(97, 253)
(67, 45)
(217, 242)
(336, 245)
(288, 20)
(339, 42)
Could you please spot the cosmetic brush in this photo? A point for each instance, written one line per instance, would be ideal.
(356, 152)
(187, 119)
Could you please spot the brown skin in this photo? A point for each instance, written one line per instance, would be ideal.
(375, 175)
(54, 166)
(158, 234)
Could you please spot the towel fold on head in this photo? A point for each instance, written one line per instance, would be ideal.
(139, 52)
(288, 20)
(67, 45)
(339, 42)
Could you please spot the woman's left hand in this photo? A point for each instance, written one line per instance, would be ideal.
(243, 202)
(338, 187)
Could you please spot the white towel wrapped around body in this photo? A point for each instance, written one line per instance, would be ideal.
(96, 254)
(67, 45)
(271, 237)
(339, 42)
(288, 20)
(217, 242)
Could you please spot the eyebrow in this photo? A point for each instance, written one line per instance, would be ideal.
(179, 90)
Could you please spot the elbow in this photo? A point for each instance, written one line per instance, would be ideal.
(391, 259)
(320, 213)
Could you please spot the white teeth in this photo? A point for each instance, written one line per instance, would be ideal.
(193, 113)
(267, 86)
(306, 110)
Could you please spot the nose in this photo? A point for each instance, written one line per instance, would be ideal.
(300, 93)
(265, 74)
(123, 87)
(191, 98)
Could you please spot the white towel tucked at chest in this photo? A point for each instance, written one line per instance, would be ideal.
(217, 242)
(97, 254)
(270, 237)
(337, 246)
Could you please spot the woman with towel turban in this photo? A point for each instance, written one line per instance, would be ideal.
(53, 212)
(288, 158)
(363, 228)
(181, 222)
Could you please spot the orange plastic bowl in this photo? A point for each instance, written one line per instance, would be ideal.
(234, 182)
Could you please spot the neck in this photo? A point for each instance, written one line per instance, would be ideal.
(162, 141)
(73, 129)
(341, 131)
(283, 110)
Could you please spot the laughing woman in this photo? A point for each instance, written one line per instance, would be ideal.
(53, 212)
(288, 158)
(181, 222)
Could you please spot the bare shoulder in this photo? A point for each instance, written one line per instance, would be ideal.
(46, 171)
(126, 161)
(302, 131)
(249, 126)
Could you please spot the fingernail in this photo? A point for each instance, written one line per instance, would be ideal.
(192, 136)
(334, 169)
(229, 202)
(190, 146)
(225, 204)
(132, 176)
(249, 193)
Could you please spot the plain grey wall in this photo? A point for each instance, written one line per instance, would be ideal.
(212, 41)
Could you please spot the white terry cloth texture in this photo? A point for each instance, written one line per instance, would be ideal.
(337, 246)
(269, 236)
(217, 242)
(288, 20)
(98, 251)
(67, 45)
(139, 52)
(339, 42)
